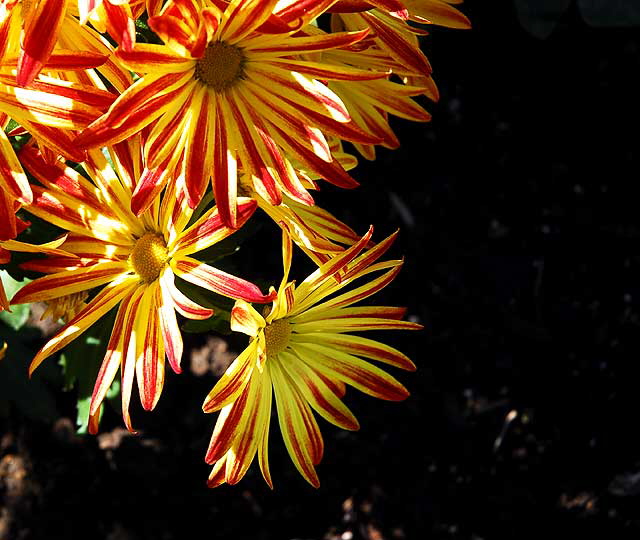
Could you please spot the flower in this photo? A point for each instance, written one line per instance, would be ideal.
(229, 91)
(136, 259)
(302, 350)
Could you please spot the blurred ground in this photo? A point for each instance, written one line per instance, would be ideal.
(524, 405)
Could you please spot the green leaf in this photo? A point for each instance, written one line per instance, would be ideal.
(17, 317)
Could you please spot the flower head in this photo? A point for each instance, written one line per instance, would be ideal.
(302, 352)
(134, 260)
(230, 91)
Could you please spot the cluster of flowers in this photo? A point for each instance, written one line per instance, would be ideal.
(257, 97)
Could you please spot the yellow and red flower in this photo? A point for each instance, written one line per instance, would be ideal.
(136, 259)
(301, 351)
(229, 91)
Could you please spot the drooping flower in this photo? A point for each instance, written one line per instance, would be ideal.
(302, 352)
(135, 259)
(229, 91)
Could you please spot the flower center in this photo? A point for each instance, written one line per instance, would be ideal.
(221, 66)
(276, 336)
(149, 256)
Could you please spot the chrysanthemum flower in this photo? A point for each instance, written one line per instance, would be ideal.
(136, 259)
(302, 352)
(229, 91)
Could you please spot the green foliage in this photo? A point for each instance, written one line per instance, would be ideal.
(17, 317)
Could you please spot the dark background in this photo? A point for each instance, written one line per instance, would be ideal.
(518, 216)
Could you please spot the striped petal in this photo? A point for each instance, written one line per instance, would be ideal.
(171, 334)
(245, 319)
(149, 349)
(318, 394)
(210, 228)
(129, 358)
(251, 426)
(112, 360)
(215, 280)
(298, 426)
(354, 323)
(13, 180)
(352, 370)
(64, 283)
(99, 306)
(225, 430)
(357, 345)
(40, 37)
(153, 58)
(185, 306)
(233, 381)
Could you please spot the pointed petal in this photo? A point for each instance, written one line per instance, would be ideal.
(297, 425)
(210, 228)
(233, 382)
(215, 280)
(40, 37)
(171, 334)
(64, 283)
(352, 370)
(359, 346)
(185, 306)
(149, 350)
(318, 394)
(99, 306)
(245, 319)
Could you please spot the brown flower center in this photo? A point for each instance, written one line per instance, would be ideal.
(277, 336)
(149, 256)
(221, 66)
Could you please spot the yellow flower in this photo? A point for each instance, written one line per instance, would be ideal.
(229, 91)
(302, 352)
(136, 259)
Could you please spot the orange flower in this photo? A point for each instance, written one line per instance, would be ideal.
(302, 352)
